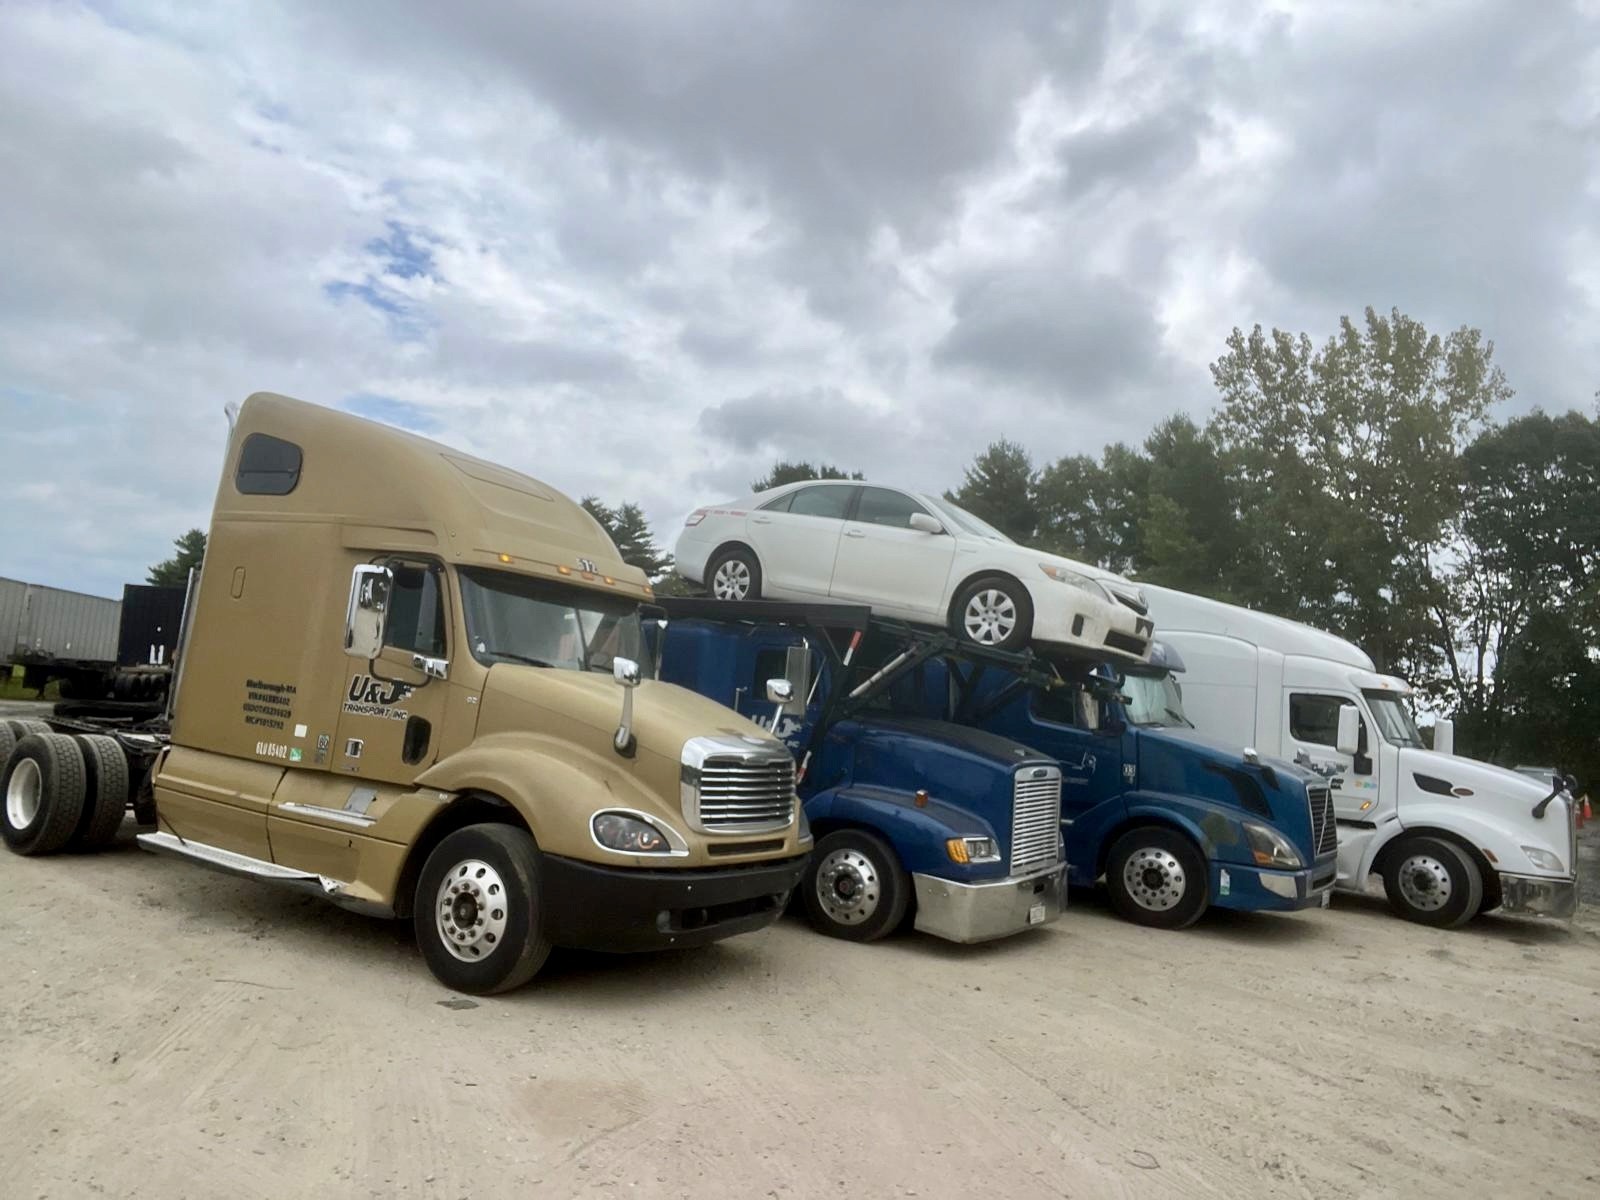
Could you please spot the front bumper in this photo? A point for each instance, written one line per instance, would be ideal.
(1539, 894)
(1069, 616)
(1258, 889)
(613, 908)
(980, 912)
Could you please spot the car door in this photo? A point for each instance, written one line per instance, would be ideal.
(796, 538)
(1312, 719)
(884, 562)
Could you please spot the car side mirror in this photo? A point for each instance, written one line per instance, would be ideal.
(367, 616)
(923, 523)
(1348, 740)
(1444, 736)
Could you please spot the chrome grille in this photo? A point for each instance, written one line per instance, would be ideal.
(728, 788)
(1035, 819)
(1324, 828)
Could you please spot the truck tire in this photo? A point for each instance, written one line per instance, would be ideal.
(993, 610)
(476, 910)
(8, 743)
(854, 887)
(734, 575)
(21, 729)
(1433, 882)
(1157, 877)
(106, 771)
(44, 792)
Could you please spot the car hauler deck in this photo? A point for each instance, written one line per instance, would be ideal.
(956, 826)
(409, 685)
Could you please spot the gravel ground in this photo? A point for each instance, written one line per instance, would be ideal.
(173, 1032)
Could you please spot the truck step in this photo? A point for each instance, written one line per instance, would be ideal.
(233, 863)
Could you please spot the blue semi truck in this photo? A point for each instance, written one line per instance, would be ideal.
(1173, 822)
(956, 828)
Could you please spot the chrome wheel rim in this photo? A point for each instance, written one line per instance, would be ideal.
(990, 617)
(732, 581)
(23, 794)
(1425, 883)
(848, 887)
(470, 910)
(1155, 879)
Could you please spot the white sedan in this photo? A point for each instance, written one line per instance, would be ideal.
(913, 556)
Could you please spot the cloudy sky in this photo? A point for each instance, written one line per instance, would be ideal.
(642, 249)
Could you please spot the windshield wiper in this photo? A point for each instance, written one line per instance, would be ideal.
(1181, 717)
(521, 658)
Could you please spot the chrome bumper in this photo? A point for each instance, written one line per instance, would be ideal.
(1539, 894)
(977, 912)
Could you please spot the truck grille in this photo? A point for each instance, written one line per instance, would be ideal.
(729, 790)
(1324, 828)
(1035, 819)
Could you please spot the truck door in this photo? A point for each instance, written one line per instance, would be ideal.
(392, 712)
(884, 562)
(1065, 724)
(1312, 721)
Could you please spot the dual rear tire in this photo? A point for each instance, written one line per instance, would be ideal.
(62, 792)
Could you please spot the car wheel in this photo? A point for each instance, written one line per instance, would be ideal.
(1157, 877)
(993, 611)
(1432, 882)
(854, 887)
(734, 575)
(476, 910)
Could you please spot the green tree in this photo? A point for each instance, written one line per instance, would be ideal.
(784, 472)
(1094, 511)
(1189, 531)
(630, 531)
(174, 572)
(1000, 487)
(1345, 463)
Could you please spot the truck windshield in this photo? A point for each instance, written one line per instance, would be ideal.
(1395, 723)
(1154, 700)
(512, 618)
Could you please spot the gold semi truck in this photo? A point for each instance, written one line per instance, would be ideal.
(413, 682)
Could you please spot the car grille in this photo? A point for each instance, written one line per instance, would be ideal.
(1035, 819)
(1324, 828)
(736, 794)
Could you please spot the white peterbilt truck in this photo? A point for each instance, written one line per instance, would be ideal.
(1452, 837)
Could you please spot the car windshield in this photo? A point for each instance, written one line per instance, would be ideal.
(1154, 700)
(1395, 723)
(963, 520)
(513, 618)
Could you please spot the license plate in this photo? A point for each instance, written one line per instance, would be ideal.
(1036, 915)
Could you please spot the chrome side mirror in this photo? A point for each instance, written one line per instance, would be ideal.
(1348, 739)
(780, 691)
(626, 672)
(923, 523)
(367, 615)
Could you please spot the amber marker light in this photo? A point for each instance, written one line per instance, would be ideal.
(505, 558)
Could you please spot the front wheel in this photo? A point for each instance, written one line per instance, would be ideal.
(993, 611)
(476, 910)
(1433, 882)
(854, 887)
(1157, 877)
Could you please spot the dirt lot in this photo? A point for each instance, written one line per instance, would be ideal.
(178, 1033)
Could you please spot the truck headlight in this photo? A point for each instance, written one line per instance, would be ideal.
(1542, 859)
(632, 833)
(1269, 847)
(972, 850)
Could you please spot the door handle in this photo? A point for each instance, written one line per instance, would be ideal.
(855, 533)
(761, 520)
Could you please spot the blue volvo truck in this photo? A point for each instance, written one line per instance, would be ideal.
(1172, 821)
(956, 826)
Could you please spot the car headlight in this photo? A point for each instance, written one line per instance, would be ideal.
(628, 833)
(1076, 578)
(1542, 859)
(972, 850)
(1269, 847)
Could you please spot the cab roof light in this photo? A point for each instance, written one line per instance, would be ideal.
(505, 558)
(564, 570)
